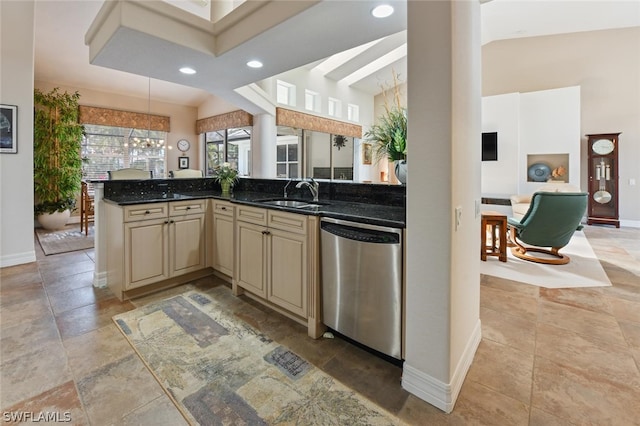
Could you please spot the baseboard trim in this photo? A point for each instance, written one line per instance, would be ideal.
(630, 223)
(100, 279)
(17, 259)
(437, 393)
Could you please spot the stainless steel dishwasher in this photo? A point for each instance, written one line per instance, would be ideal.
(362, 283)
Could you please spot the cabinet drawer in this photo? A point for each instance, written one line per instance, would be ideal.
(252, 215)
(290, 222)
(145, 212)
(223, 208)
(181, 208)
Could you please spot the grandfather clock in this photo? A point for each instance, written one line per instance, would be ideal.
(603, 179)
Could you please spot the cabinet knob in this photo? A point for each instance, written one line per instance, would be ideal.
(188, 208)
(166, 221)
(223, 208)
(147, 212)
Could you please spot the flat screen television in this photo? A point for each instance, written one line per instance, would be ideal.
(490, 146)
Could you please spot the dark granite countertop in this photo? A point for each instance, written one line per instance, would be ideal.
(374, 214)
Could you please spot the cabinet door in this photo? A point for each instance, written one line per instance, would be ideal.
(187, 244)
(250, 273)
(146, 247)
(287, 283)
(223, 247)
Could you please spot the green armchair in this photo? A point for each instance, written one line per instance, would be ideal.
(551, 220)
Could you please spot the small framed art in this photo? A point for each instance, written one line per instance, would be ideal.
(366, 153)
(183, 162)
(8, 129)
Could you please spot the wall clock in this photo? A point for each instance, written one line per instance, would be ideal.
(603, 179)
(184, 145)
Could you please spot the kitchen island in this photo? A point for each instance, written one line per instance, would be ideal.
(152, 234)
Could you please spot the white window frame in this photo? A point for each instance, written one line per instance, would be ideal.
(312, 101)
(334, 107)
(353, 112)
(285, 93)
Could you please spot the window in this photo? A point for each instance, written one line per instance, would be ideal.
(107, 148)
(334, 107)
(285, 93)
(353, 112)
(312, 100)
(232, 146)
(288, 153)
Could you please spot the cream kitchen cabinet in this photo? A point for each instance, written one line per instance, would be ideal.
(223, 236)
(152, 243)
(272, 257)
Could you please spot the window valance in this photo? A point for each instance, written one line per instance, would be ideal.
(224, 121)
(300, 120)
(118, 118)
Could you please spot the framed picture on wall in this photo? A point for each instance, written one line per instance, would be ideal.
(366, 153)
(8, 129)
(183, 162)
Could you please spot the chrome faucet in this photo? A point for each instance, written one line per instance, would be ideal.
(284, 192)
(312, 185)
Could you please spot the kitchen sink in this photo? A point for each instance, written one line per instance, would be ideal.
(296, 204)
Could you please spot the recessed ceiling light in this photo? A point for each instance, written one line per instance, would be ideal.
(254, 64)
(382, 11)
(187, 70)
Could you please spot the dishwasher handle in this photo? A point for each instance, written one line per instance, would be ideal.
(361, 234)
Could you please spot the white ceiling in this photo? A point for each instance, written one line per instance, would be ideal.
(311, 37)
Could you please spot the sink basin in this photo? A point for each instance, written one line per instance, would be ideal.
(296, 204)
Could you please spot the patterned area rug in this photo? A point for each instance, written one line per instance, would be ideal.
(220, 371)
(68, 239)
(584, 269)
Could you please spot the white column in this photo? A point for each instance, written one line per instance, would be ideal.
(99, 237)
(442, 289)
(263, 146)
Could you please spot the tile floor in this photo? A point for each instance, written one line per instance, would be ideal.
(547, 357)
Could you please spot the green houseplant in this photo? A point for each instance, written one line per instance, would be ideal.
(227, 176)
(388, 134)
(57, 165)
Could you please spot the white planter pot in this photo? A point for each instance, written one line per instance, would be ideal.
(401, 171)
(53, 221)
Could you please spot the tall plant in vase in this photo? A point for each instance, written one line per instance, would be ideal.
(227, 176)
(57, 165)
(388, 134)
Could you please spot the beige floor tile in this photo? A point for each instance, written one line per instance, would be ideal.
(159, 412)
(33, 373)
(63, 284)
(631, 331)
(586, 298)
(28, 311)
(624, 309)
(510, 330)
(479, 405)
(91, 317)
(583, 398)
(503, 369)
(489, 281)
(542, 418)
(76, 298)
(508, 302)
(55, 272)
(21, 338)
(596, 325)
(95, 349)
(116, 389)
(587, 354)
(418, 412)
(62, 402)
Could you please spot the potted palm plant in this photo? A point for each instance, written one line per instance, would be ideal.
(57, 165)
(389, 134)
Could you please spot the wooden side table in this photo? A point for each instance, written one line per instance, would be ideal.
(497, 224)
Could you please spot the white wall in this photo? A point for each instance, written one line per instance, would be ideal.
(16, 170)
(500, 114)
(541, 122)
